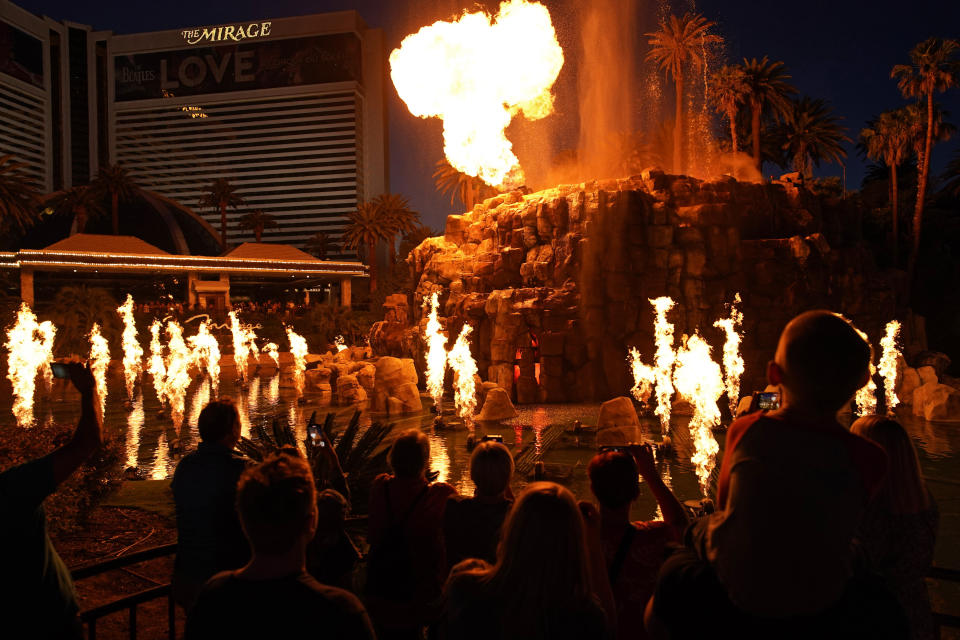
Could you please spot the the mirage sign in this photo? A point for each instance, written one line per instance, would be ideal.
(241, 66)
(229, 33)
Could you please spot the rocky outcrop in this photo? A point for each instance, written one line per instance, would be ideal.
(556, 283)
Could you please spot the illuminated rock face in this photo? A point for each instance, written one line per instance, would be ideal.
(556, 283)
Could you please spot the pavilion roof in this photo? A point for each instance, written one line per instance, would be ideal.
(269, 251)
(107, 244)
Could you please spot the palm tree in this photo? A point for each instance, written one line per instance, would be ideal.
(933, 68)
(810, 132)
(469, 189)
(366, 229)
(400, 219)
(221, 195)
(888, 138)
(115, 181)
(257, 221)
(767, 91)
(320, 244)
(679, 43)
(729, 90)
(82, 202)
(19, 195)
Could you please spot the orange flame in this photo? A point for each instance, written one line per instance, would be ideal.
(889, 361)
(436, 352)
(663, 360)
(644, 376)
(29, 348)
(244, 345)
(299, 350)
(132, 351)
(464, 369)
(733, 366)
(699, 381)
(99, 361)
(205, 353)
(178, 372)
(476, 73)
(273, 352)
(157, 366)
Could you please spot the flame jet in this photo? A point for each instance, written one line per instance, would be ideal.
(866, 398)
(889, 362)
(476, 73)
(99, 361)
(177, 379)
(699, 381)
(733, 366)
(663, 360)
(299, 350)
(464, 371)
(29, 348)
(644, 376)
(436, 353)
(157, 367)
(132, 351)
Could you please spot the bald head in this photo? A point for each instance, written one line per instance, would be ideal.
(821, 360)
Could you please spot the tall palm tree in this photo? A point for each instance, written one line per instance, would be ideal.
(221, 195)
(366, 229)
(728, 91)
(257, 221)
(19, 195)
(889, 138)
(768, 93)
(934, 68)
(680, 42)
(811, 133)
(469, 189)
(320, 244)
(82, 202)
(114, 181)
(399, 217)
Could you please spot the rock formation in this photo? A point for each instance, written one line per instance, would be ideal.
(556, 283)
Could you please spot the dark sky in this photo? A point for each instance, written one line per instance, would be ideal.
(841, 50)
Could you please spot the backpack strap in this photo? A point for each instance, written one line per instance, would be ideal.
(613, 571)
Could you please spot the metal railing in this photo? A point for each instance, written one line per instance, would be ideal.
(90, 616)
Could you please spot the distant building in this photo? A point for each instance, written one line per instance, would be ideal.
(290, 110)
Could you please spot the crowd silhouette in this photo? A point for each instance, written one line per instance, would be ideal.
(819, 532)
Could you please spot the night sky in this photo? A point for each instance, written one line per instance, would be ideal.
(841, 50)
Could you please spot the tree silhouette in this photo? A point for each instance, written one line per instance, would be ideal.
(19, 195)
(469, 189)
(257, 221)
(728, 91)
(397, 217)
(680, 42)
(767, 93)
(811, 133)
(82, 202)
(366, 229)
(221, 195)
(115, 182)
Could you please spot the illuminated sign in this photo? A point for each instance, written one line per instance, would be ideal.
(230, 33)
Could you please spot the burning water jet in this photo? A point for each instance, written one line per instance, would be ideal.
(135, 420)
(299, 350)
(476, 74)
(644, 377)
(464, 372)
(436, 354)
(99, 361)
(244, 345)
(178, 372)
(866, 398)
(205, 353)
(273, 352)
(29, 350)
(699, 380)
(157, 367)
(889, 361)
(663, 360)
(733, 366)
(132, 351)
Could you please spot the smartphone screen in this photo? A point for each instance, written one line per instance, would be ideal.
(60, 370)
(769, 401)
(313, 431)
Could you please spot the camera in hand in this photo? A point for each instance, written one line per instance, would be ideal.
(493, 438)
(313, 430)
(768, 401)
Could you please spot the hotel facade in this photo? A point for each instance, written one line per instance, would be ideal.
(291, 111)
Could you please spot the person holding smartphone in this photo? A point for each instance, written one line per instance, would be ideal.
(39, 600)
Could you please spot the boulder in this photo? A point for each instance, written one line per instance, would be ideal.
(942, 404)
(909, 382)
(366, 377)
(939, 361)
(323, 394)
(497, 406)
(349, 390)
(409, 396)
(394, 406)
(618, 423)
(921, 395)
(927, 374)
